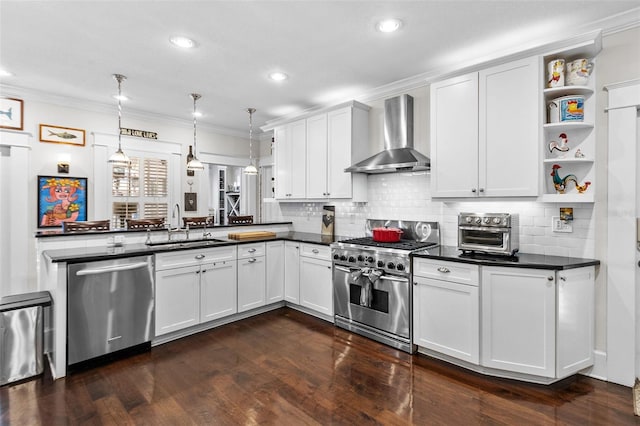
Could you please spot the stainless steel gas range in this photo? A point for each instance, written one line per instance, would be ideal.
(372, 291)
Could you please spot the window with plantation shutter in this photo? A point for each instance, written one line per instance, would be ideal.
(140, 190)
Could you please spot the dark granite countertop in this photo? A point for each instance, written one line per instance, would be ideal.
(520, 260)
(59, 233)
(91, 254)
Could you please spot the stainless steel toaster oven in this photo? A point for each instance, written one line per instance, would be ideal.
(495, 233)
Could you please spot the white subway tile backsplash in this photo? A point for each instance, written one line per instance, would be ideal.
(407, 196)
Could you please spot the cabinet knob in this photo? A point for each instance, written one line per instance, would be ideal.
(481, 189)
(443, 269)
(252, 260)
(473, 190)
(200, 256)
(550, 277)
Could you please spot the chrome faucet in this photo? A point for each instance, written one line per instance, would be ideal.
(173, 215)
(205, 234)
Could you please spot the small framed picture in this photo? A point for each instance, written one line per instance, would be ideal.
(57, 134)
(190, 201)
(11, 113)
(61, 199)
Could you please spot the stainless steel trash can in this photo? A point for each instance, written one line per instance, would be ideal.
(22, 335)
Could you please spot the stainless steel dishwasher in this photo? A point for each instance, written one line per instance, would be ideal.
(110, 306)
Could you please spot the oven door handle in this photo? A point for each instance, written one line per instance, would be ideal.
(392, 278)
(344, 269)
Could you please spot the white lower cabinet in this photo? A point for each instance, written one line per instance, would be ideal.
(251, 277)
(292, 272)
(518, 320)
(194, 286)
(316, 286)
(532, 324)
(446, 316)
(275, 271)
(177, 299)
(538, 322)
(218, 295)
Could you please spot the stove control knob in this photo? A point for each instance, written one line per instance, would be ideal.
(370, 259)
(336, 257)
(487, 220)
(352, 259)
(391, 265)
(380, 264)
(497, 220)
(478, 220)
(468, 219)
(361, 258)
(343, 257)
(400, 267)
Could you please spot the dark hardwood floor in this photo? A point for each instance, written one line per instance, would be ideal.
(287, 368)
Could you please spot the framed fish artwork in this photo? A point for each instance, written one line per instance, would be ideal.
(57, 134)
(11, 112)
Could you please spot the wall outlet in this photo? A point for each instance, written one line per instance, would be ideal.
(559, 225)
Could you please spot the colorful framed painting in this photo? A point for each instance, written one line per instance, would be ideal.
(61, 199)
(11, 113)
(57, 134)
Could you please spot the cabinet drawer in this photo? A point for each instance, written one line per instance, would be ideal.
(462, 273)
(193, 257)
(316, 251)
(250, 250)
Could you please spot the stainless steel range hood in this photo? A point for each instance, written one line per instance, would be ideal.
(398, 154)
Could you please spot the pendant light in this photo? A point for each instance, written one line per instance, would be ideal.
(119, 158)
(250, 169)
(194, 163)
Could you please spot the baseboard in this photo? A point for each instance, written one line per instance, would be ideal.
(599, 368)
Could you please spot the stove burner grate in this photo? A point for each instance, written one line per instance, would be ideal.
(401, 245)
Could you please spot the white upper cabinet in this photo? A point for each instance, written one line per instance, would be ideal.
(485, 132)
(509, 129)
(290, 163)
(311, 155)
(317, 158)
(454, 136)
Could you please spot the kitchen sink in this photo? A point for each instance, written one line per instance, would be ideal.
(205, 242)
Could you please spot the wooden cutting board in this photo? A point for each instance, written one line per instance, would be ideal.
(248, 235)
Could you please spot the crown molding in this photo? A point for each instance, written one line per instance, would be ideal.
(103, 108)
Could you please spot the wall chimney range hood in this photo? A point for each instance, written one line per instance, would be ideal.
(398, 154)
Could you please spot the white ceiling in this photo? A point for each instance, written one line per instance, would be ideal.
(330, 49)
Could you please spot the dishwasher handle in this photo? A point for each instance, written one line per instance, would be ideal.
(109, 269)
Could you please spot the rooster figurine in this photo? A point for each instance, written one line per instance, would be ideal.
(560, 183)
(563, 146)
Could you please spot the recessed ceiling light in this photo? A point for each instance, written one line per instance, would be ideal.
(278, 76)
(389, 25)
(182, 41)
(121, 97)
(5, 73)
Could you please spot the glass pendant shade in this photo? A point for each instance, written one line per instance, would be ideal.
(119, 158)
(250, 169)
(194, 164)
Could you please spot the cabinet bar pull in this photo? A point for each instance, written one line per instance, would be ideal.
(550, 277)
(252, 250)
(252, 260)
(200, 256)
(443, 269)
(113, 338)
(315, 251)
